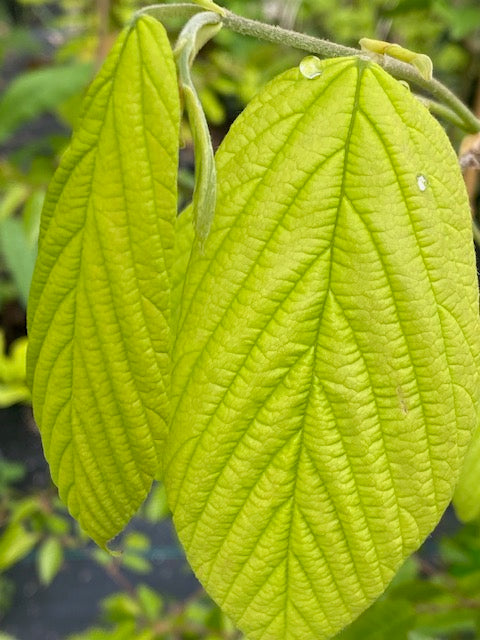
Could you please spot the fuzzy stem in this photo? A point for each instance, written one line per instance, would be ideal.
(286, 37)
(396, 68)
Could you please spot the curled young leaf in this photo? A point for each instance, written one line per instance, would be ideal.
(193, 37)
(420, 61)
(326, 367)
(99, 311)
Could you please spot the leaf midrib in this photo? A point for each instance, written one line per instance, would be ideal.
(361, 65)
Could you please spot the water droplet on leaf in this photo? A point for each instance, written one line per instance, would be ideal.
(422, 182)
(311, 67)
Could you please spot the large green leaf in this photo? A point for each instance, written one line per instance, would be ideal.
(326, 367)
(99, 312)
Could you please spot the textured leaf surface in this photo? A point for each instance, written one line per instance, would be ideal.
(99, 312)
(325, 383)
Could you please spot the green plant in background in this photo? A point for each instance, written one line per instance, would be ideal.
(41, 91)
(13, 386)
(38, 527)
(30, 522)
(143, 614)
(305, 376)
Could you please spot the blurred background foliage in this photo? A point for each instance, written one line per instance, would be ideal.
(49, 52)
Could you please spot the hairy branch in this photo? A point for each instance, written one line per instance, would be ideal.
(464, 118)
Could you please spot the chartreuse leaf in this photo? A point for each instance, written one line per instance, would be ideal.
(325, 380)
(99, 312)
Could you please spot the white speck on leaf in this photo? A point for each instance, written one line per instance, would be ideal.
(422, 182)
